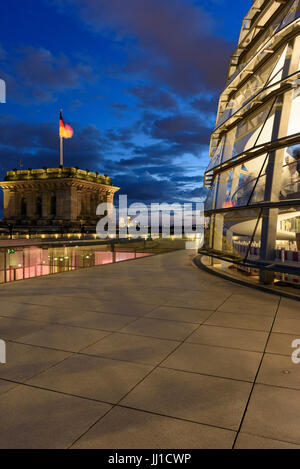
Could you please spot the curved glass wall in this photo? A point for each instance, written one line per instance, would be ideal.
(254, 176)
(289, 14)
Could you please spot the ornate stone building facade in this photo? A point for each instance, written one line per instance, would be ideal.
(46, 199)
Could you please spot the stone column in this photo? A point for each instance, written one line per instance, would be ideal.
(45, 205)
(8, 200)
(60, 203)
(81, 208)
(31, 204)
(88, 204)
(66, 203)
(218, 232)
(93, 205)
(73, 203)
(19, 197)
(100, 198)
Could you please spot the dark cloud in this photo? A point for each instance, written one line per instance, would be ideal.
(149, 176)
(152, 98)
(188, 179)
(175, 40)
(206, 104)
(119, 106)
(147, 188)
(162, 171)
(200, 192)
(164, 151)
(37, 145)
(36, 75)
(184, 129)
(119, 135)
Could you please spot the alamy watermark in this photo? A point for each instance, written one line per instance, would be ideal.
(296, 353)
(2, 91)
(2, 351)
(140, 220)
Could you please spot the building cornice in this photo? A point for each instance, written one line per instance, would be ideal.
(50, 184)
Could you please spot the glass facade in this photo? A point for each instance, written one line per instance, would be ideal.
(253, 204)
(22, 262)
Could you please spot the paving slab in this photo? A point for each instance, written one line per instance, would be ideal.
(13, 328)
(274, 413)
(133, 348)
(25, 361)
(160, 329)
(256, 297)
(38, 419)
(241, 321)
(245, 441)
(190, 396)
(93, 377)
(126, 428)
(278, 370)
(229, 337)
(209, 303)
(101, 321)
(6, 386)
(241, 307)
(65, 338)
(215, 361)
(287, 325)
(172, 313)
(9, 308)
(289, 308)
(41, 314)
(281, 344)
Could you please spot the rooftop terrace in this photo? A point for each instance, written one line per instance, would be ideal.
(178, 359)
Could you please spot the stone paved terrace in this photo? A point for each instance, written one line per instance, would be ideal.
(152, 353)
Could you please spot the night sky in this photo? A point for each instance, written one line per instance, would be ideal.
(138, 80)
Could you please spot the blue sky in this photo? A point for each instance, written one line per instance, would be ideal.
(138, 81)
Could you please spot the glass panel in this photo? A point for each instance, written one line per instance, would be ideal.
(229, 145)
(209, 202)
(292, 15)
(243, 185)
(217, 157)
(276, 75)
(19, 263)
(287, 16)
(290, 182)
(233, 231)
(294, 121)
(250, 129)
(270, 73)
(288, 240)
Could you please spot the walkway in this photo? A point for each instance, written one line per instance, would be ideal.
(151, 353)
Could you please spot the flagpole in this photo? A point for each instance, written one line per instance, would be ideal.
(61, 161)
(61, 153)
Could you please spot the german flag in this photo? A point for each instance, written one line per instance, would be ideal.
(65, 130)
